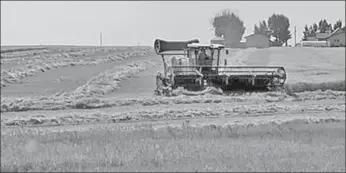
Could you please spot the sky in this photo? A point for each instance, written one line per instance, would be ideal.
(137, 22)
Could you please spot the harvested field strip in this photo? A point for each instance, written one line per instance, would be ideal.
(97, 86)
(65, 79)
(58, 102)
(108, 81)
(229, 110)
(9, 76)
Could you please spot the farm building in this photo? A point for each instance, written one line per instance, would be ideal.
(311, 39)
(257, 40)
(337, 38)
(314, 44)
(333, 39)
(321, 36)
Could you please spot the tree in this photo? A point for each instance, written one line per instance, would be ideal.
(256, 29)
(337, 25)
(306, 33)
(262, 29)
(330, 28)
(323, 26)
(279, 26)
(315, 27)
(229, 25)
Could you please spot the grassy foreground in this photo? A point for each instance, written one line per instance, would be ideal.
(286, 147)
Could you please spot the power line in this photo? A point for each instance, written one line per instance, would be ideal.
(295, 36)
(101, 39)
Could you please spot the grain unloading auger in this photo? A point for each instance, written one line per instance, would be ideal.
(196, 66)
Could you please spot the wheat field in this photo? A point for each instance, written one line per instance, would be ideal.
(69, 108)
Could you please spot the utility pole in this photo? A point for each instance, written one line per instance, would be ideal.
(101, 39)
(295, 38)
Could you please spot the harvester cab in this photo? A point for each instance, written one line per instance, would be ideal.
(195, 66)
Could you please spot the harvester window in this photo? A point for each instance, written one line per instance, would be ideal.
(212, 54)
(196, 52)
(209, 53)
(217, 54)
(188, 53)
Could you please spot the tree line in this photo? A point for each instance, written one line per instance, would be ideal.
(231, 27)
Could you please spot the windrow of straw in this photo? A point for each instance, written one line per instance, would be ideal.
(100, 85)
(30, 49)
(232, 110)
(10, 76)
(28, 52)
(109, 80)
(53, 53)
(23, 56)
(66, 101)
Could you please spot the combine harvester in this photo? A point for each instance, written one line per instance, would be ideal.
(196, 67)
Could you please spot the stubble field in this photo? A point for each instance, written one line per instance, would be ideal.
(67, 108)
